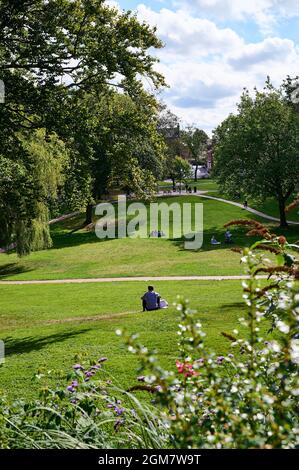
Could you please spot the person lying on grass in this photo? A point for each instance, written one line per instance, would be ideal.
(151, 300)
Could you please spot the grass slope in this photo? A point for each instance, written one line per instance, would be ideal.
(268, 206)
(80, 254)
(45, 326)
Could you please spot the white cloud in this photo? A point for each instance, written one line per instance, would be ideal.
(264, 12)
(271, 50)
(185, 34)
(113, 4)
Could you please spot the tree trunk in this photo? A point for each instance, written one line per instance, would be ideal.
(88, 214)
(195, 176)
(282, 212)
(173, 184)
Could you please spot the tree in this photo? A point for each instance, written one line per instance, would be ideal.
(181, 170)
(169, 128)
(167, 120)
(29, 176)
(84, 42)
(127, 149)
(290, 87)
(196, 141)
(52, 54)
(257, 149)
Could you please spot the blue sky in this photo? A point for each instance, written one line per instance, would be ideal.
(215, 48)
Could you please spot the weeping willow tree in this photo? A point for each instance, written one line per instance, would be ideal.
(31, 171)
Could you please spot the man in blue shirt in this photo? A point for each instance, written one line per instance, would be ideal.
(151, 300)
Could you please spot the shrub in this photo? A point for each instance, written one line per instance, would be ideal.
(248, 398)
(87, 412)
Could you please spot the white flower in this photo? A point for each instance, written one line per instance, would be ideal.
(150, 379)
(274, 346)
(268, 399)
(295, 351)
(179, 398)
(283, 327)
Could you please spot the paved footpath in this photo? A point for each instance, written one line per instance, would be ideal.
(232, 203)
(163, 194)
(145, 279)
(130, 279)
(249, 209)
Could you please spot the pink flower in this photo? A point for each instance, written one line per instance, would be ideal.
(186, 369)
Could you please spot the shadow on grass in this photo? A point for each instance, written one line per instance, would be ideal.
(235, 305)
(10, 269)
(69, 233)
(75, 234)
(65, 240)
(31, 343)
(239, 240)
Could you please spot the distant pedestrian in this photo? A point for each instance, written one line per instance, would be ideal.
(245, 204)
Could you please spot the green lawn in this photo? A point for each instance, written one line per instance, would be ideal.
(82, 255)
(201, 184)
(269, 205)
(46, 325)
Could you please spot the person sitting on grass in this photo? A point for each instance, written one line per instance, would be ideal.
(228, 238)
(214, 241)
(151, 300)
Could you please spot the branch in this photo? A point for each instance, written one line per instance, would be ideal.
(33, 124)
(288, 194)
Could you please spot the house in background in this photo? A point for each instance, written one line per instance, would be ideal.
(172, 137)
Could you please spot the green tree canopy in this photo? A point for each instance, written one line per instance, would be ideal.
(54, 53)
(257, 149)
(180, 170)
(28, 178)
(128, 150)
(196, 143)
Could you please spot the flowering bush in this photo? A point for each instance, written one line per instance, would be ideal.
(88, 412)
(248, 398)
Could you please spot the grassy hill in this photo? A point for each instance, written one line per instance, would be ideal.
(44, 327)
(81, 254)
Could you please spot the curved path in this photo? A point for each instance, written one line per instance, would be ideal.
(249, 209)
(131, 279)
(232, 203)
(162, 194)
